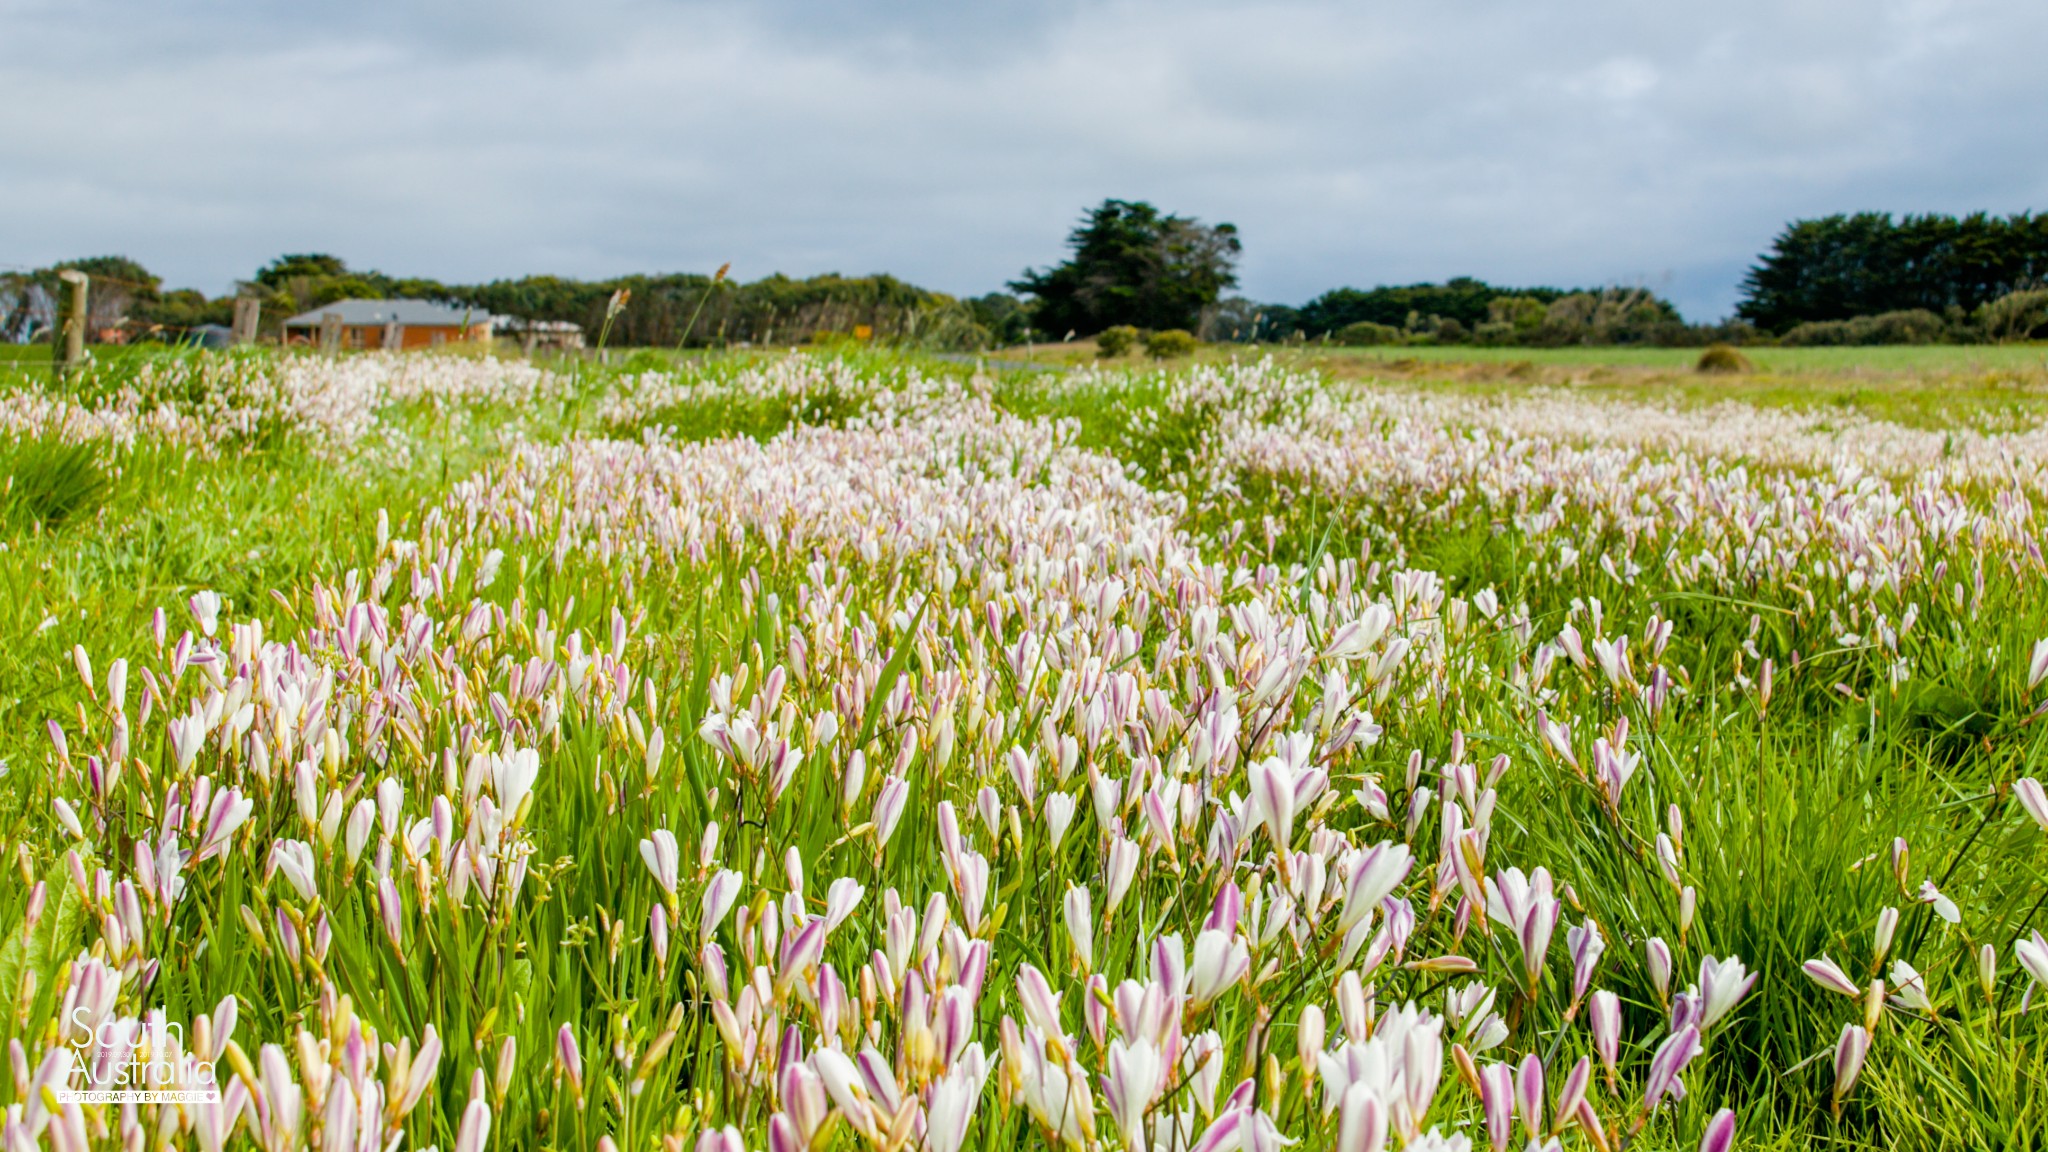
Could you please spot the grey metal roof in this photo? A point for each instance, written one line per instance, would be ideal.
(410, 313)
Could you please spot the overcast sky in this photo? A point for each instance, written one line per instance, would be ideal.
(955, 142)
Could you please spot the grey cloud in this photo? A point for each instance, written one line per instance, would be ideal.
(954, 144)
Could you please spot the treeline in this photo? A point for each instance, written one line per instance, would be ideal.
(1133, 268)
(1846, 279)
(1469, 311)
(687, 309)
(128, 303)
(1868, 278)
(673, 309)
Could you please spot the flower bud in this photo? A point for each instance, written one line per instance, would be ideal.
(1850, 1052)
(1887, 925)
(1308, 1038)
(1658, 959)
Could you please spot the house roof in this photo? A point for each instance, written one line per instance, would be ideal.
(410, 313)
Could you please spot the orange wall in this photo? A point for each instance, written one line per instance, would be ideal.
(412, 336)
(425, 337)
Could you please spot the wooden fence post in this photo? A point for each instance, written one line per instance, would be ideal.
(248, 310)
(73, 353)
(330, 332)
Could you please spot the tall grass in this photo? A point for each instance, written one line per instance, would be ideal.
(50, 483)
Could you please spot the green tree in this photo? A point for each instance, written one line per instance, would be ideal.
(1868, 264)
(172, 313)
(1003, 315)
(1132, 264)
(343, 288)
(279, 273)
(1462, 298)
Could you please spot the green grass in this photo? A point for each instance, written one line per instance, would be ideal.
(1922, 387)
(1921, 359)
(1925, 360)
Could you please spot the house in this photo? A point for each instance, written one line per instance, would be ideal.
(386, 324)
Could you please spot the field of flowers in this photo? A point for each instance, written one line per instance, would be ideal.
(804, 754)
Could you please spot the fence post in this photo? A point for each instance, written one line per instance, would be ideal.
(73, 353)
(248, 310)
(330, 332)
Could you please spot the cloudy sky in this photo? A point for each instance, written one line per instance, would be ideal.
(954, 142)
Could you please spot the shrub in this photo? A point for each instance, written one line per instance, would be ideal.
(1523, 313)
(1111, 343)
(1170, 343)
(1912, 326)
(1818, 334)
(1909, 326)
(1721, 359)
(2015, 315)
(1366, 334)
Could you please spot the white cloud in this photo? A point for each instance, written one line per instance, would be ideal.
(1621, 80)
(955, 144)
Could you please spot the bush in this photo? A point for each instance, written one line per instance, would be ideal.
(1909, 326)
(1170, 343)
(1519, 313)
(1912, 326)
(1818, 334)
(2015, 315)
(1111, 343)
(1366, 334)
(1720, 359)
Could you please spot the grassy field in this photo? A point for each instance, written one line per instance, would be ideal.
(1917, 360)
(827, 753)
(1927, 386)
(1921, 361)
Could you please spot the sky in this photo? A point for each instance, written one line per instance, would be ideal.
(955, 143)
